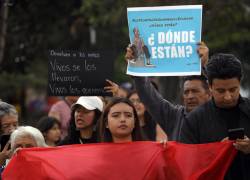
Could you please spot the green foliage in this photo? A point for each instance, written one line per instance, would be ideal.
(12, 83)
(226, 29)
(226, 24)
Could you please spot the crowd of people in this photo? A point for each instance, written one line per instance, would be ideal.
(212, 105)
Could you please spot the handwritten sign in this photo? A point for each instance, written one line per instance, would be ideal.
(78, 73)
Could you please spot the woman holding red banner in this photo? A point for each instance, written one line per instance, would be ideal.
(120, 122)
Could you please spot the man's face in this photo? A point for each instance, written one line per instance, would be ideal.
(194, 94)
(225, 92)
(9, 123)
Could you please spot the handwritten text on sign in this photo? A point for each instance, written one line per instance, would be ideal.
(78, 73)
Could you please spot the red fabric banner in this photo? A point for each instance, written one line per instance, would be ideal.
(123, 161)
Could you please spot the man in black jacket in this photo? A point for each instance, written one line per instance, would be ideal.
(226, 110)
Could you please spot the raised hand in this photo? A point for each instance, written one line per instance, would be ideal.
(203, 53)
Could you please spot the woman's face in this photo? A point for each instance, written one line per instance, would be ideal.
(53, 134)
(121, 120)
(9, 123)
(139, 106)
(83, 117)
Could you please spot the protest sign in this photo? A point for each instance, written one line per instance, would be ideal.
(78, 73)
(166, 40)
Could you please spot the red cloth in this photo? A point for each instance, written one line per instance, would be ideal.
(125, 161)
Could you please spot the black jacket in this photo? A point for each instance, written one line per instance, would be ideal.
(169, 116)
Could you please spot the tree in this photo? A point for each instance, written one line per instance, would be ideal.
(4, 9)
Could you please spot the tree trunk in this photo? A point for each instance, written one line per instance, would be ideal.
(3, 26)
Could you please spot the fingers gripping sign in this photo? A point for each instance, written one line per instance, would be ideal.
(203, 53)
(130, 53)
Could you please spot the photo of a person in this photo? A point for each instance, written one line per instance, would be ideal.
(141, 50)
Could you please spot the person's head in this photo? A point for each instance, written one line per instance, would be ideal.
(50, 128)
(25, 137)
(8, 118)
(85, 112)
(224, 74)
(136, 32)
(119, 121)
(71, 99)
(195, 92)
(139, 106)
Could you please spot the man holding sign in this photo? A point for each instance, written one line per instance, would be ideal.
(172, 40)
(170, 116)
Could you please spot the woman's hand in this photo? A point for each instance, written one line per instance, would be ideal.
(5, 154)
(113, 88)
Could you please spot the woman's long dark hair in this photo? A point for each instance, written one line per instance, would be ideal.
(149, 129)
(105, 134)
(73, 133)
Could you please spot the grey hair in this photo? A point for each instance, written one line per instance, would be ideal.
(23, 131)
(7, 109)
